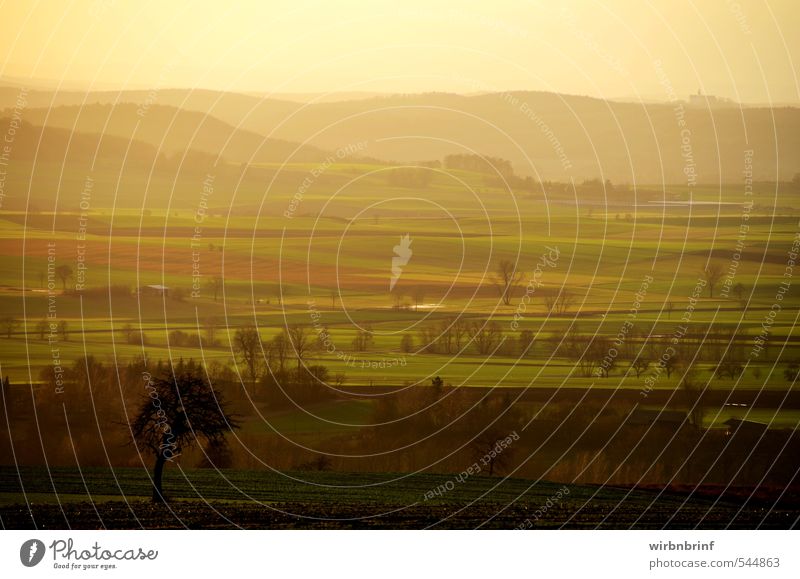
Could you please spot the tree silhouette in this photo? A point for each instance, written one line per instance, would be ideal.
(9, 324)
(279, 351)
(486, 448)
(730, 365)
(363, 339)
(670, 363)
(247, 343)
(419, 297)
(215, 285)
(42, 326)
(559, 303)
(180, 408)
(506, 278)
(407, 343)
(792, 371)
(640, 364)
(64, 272)
(210, 329)
(485, 336)
(300, 339)
(712, 274)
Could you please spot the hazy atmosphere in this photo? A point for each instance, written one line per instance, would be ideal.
(355, 265)
(745, 50)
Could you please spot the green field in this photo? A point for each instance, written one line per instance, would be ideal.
(340, 242)
(100, 498)
(619, 270)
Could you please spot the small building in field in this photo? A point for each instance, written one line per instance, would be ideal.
(154, 290)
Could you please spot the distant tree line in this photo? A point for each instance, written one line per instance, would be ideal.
(409, 177)
(480, 164)
(276, 371)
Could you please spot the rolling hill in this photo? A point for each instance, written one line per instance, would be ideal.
(548, 135)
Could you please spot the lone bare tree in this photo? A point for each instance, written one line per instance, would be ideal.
(670, 363)
(419, 297)
(247, 343)
(363, 339)
(731, 365)
(279, 351)
(739, 290)
(300, 338)
(9, 324)
(42, 327)
(640, 364)
(179, 409)
(485, 448)
(64, 272)
(712, 274)
(63, 330)
(485, 336)
(210, 329)
(215, 285)
(559, 303)
(507, 278)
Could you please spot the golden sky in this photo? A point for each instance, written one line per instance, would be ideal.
(746, 50)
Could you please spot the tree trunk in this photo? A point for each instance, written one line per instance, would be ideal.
(158, 471)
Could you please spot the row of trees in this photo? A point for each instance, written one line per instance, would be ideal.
(479, 164)
(719, 348)
(207, 337)
(507, 279)
(601, 356)
(276, 368)
(10, 324)
(459, 335)
(409, 177)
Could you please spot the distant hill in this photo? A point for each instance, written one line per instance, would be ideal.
(78, 149)
(543, 134)
(56, 164)
(552, 136)
(172, 131)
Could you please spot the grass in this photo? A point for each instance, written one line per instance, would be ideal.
(100, 498)
(274, 265)
(340, 241)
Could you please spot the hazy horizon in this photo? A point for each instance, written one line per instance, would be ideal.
(614, 50)
(50, 85)
(401, 264)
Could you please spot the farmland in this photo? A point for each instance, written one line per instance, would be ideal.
(612, 319)
(98, 498)
(330, 260)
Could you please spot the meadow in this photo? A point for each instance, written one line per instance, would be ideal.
(100, 498)
(331, 259)
(411, 365)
